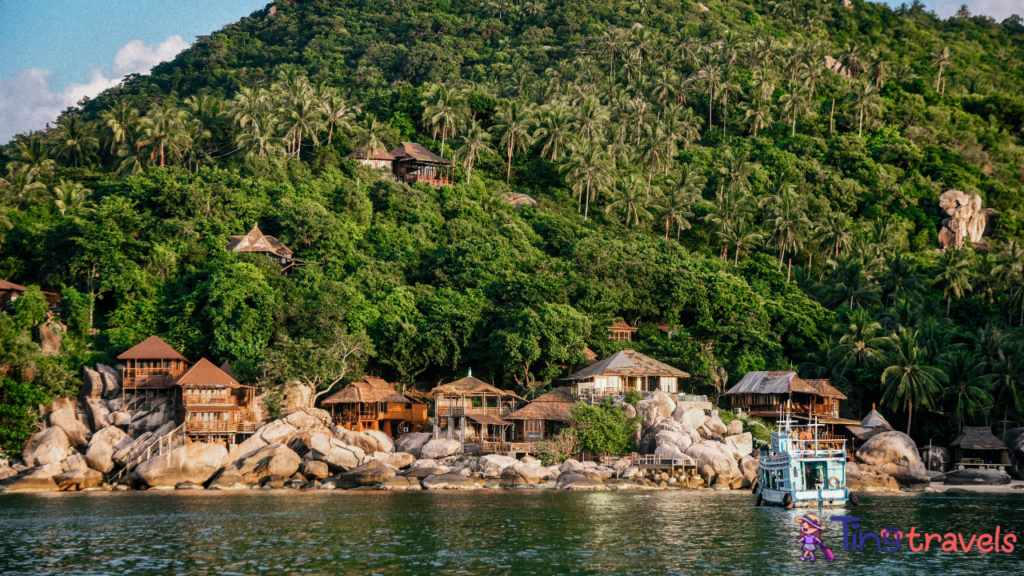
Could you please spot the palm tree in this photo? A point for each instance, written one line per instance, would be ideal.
(963, 12)
(120, 121)
(940, 59)
(75, 139)
(632, 201)
(1008, 376)
(743, 236)
(866, 100)
(591, 120)
(70, 196)
(20, 187)
(1010, 272)
(161, 127)
(969, 382)
(834, 233)
(728, 86)
(32, 157)
(514, 121)
(861, 344)
(372, 133)
(758, 114)
(787, 219)
(686, 190)
(907, 379)
(687, 126)
(475, 142)
(793, 105)
(954, 274)
(712, 81)
(554, 132)
(338, 114)
(900, 277)
(447, 113)
(301, 116)
(589, 170)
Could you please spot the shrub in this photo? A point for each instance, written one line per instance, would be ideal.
(604, 427)
(562, 447)
(633, 397)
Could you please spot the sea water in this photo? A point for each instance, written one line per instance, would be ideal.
(480, 532)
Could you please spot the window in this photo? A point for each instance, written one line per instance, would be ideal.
(534, 429)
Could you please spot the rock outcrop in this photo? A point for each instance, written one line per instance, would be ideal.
(369, 474)
(977, 477)
(196, 462)
(271, 433)
(338, 456)
(67, 420)
(519, 476)
(448, 481)
(46, 447)
(965, 219)
(412, 442)
(440, 448)
(37, 479)
(102, 447)
(272, 460)
(656, 408)
(894, 453)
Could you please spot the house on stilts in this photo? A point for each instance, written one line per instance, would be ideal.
(374, 404)
(471, 410)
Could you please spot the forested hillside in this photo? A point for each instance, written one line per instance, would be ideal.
(762, 178)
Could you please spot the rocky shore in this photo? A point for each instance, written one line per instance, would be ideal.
(304, 450)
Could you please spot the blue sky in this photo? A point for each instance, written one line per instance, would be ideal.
(53, 53)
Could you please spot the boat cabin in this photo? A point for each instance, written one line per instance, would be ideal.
(544, 417)
(377, 158)
(374, 404)
(413, 163)
(151, 364)
(803, 466)
(621, 372)
(213, 404)
(472, 410)
(977, 447)
(256, 241)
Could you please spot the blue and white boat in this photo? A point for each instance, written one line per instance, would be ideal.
(803, 468)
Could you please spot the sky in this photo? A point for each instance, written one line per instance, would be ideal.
(53, 53)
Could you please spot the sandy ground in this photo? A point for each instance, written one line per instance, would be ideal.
(1014, 487)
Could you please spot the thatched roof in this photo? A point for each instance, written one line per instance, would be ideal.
(772, 382)
(414, 151)
(978, 438)
(470, 386)
(621, 326)
(369, 390)
(875, 420)
(627, 363)
(375, 154)
(864, 433)
(206, 373)
(825, 389)
(256, 241)
(152, 348)
(554, 405)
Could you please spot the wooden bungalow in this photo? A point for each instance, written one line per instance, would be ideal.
(766, 394)
(621, 331)
(544, 417)
(151, 364)
(256, 241)
(377, 158)
(9, 292)
(213, 404)
(373, 404)
(976, 446)
(621, 372)
(476, 408)
(414, 163)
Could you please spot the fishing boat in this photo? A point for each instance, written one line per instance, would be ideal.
(803, 468)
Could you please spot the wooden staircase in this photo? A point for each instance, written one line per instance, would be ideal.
(162, 445)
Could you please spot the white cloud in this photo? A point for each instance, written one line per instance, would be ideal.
(997, 9)
(28, 100)
(137, 57)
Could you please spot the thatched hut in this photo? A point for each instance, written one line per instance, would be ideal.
(977, 446)
(624, 371)
(479, 407)
(542, 418)
(374, 404)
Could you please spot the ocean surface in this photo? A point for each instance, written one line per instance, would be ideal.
(481, 532)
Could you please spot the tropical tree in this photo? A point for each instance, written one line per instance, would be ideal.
(514, 121)
(940, 59)
(632, 201)
(445, 110)
(907, 380)
(969, 382)
(590, 170)
(743, 236)
(75, 139)
(554, 132)
(69, 196)
(685, 190)
(955, 274)
(475, 141)
(787, 219)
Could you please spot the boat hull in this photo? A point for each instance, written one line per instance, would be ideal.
(825, 498)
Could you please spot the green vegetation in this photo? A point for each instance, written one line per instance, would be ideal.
(727, 182)
(603, 427)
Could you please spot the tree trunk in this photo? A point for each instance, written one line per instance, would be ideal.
(586, 211)
(793, 133)
(949, 302)
(789, 273)
(508, 176)
(782, 255)
(860, 129)
(910, 414)
(831, 117)
(667, 222)
(737, 261)
(469, 170)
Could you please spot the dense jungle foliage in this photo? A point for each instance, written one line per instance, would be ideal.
(762, 177)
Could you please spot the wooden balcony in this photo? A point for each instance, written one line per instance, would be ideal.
(219, 426)
(435, 180)
(193, 400)
(460, 411)
(141, 378)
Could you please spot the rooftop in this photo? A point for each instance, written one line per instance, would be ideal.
(416, 152)
(554, 405)
(773, 382)
(206, 373)
(152, 348)
(375, 154)
(256, 241)
(470, 386)
(7, 286)
(978, 438)
(369, 390)
(627, 363)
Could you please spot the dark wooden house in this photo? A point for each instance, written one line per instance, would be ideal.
(621, 372)
(472, 410)
(374, 404)
(213, 404)
(977, 447)
(542, 418)
(151, 364)
(9, 292)
(377, 158)
(258, 242)
(414, 163)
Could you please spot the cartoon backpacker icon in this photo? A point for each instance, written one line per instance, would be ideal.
(810, 538)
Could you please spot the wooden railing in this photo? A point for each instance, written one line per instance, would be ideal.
(203, 426)
(459, 411)
(200, 400)
(164, 444)
(433, 180)
(502, 447)
(134, 378)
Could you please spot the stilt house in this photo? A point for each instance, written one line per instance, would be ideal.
(256, 241)
(977, 447)
(214, 404)
(542, 418)
(373, 404)
(151, 364)
(621, 372)
(377, 158)
(471, 409)
(414, 163)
